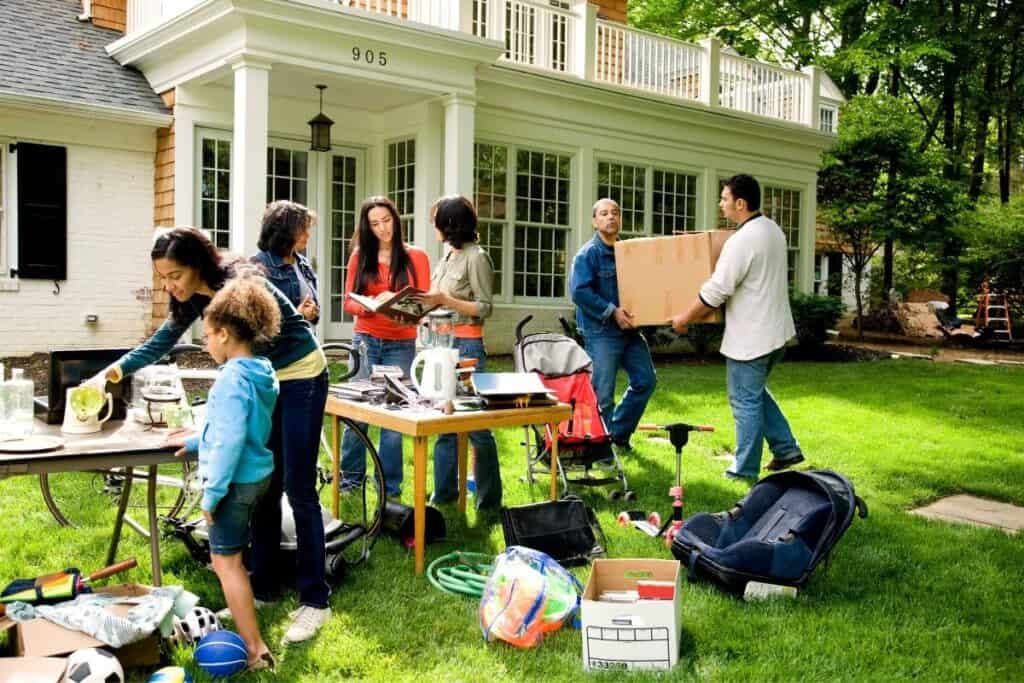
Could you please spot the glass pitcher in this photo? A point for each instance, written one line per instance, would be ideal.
(438, 330)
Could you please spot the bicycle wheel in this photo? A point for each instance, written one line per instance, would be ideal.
(76, 498)
(361, 509)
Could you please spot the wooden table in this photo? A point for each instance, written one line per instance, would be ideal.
(420, 425)
(121, 444)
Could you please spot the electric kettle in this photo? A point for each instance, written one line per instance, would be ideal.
(438, 381)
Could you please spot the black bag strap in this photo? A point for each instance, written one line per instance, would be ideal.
(691, 565)
(602, 547)
(862, 507)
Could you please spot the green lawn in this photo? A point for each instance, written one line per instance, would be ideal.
(904, 597)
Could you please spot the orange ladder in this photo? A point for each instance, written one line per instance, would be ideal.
(994, 313)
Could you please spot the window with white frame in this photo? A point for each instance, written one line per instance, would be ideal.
(782, 205)
(287, 175)
(4, 234)
(490, 188)
(541, 224)
(215, 187)
(401, 174)
(673, 203)
(670, 195)
(827, 116)
(627, 185)
(522, 198)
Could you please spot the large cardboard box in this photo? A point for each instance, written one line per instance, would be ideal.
(42, 638)
(634, 635)
(660, 277)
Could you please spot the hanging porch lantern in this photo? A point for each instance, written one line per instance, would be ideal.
(320, 128)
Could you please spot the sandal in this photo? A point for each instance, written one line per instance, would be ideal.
(264, 661)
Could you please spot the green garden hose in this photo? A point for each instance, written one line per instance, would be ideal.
(460, 573)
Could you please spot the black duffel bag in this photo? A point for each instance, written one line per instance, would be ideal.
(565, 529)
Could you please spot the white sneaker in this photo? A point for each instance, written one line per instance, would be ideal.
(259, 604)
(306, 622)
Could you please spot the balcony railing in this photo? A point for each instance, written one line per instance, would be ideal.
(567, 37)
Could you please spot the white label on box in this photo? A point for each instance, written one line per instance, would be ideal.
(649, 648)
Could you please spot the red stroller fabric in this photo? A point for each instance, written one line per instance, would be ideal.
(585, 427)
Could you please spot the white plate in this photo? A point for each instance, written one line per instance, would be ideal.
(36, 443)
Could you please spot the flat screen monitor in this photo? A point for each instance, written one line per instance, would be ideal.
(71, 367)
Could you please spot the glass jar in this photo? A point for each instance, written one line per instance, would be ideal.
(20, 402)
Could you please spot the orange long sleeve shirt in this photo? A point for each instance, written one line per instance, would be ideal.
(381, 326)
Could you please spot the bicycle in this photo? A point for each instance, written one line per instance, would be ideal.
(72, 497)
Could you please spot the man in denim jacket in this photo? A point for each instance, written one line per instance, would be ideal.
(609, 335)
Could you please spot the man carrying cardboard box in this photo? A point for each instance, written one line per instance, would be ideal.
(750, 279)
(609, 335)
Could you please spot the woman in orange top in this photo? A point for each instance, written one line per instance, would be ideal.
(380, 263)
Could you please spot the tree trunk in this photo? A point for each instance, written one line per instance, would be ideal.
(890, 194)
(950, 79)
(993, 63)
(858, 276)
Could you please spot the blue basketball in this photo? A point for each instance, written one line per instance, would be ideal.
(222, 653)
(170, 674)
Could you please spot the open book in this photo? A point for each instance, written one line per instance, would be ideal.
(401, 305)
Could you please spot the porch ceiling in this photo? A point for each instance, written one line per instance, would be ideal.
(299, 84)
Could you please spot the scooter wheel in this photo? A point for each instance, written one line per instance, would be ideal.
(628, 496)
(615, 495)
(654, 519)
(623, 519)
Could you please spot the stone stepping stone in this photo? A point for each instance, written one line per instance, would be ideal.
(976, 361)
(904, 354)
(964, 509)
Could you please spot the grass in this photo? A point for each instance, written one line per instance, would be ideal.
(904, 597)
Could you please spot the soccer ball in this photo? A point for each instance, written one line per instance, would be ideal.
(93, 665)
(194, 625)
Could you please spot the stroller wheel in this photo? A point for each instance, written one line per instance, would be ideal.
(628, 496)
(615, 495)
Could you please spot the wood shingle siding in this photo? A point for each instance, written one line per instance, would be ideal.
(109, 14)
(163, 200)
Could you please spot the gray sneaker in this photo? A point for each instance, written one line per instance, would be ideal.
(259, 604)
(306, 623)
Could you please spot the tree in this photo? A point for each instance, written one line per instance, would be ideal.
(861, 202)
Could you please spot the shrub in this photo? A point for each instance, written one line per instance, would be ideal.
(814, 315)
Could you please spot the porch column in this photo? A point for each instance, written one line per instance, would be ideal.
(249, 153)
(459, 126)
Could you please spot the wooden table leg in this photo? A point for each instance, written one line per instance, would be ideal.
(554, 460)
(336, 466)
(462, 454)
(154, 529)
(122, 506)
(419, 483)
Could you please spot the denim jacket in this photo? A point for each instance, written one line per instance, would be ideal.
(283, 276)
(595, 289)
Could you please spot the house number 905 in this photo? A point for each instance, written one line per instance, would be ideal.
(369, 56)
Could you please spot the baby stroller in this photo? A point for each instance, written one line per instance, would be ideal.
(583, 440)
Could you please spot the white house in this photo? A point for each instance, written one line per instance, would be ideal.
(534, 108)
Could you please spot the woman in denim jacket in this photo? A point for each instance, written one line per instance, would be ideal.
(463, 281)
(284, 235)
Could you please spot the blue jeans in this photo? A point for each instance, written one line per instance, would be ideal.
(295, 442)
(757, 415)
(353, 451)
(485, 451)
(628, 351)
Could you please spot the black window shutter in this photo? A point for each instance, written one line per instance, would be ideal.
(42, 212)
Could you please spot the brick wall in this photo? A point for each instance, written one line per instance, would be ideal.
(109, 14)
(110, 213)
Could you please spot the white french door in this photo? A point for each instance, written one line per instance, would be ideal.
(345, 183)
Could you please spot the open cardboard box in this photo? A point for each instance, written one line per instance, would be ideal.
(660, 277)
(32, 669)
(630, 635)
(42, 638)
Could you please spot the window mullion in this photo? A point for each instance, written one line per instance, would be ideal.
(648, 201)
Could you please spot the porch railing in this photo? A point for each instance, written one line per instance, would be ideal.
(566, 37)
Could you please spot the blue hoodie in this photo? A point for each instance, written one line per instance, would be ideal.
(233, 443)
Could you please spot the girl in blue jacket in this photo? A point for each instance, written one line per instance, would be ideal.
(234, 461)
